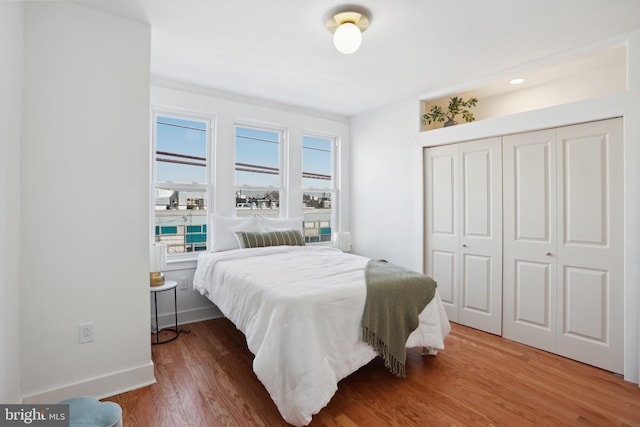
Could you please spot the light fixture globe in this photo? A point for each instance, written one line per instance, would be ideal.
(347, 38)
(347, 28)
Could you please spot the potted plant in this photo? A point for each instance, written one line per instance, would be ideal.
(457, 106)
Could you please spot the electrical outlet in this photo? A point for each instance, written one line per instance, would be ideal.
(85, 332)
(183, 283)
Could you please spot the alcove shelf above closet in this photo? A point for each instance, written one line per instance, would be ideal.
(580, 76)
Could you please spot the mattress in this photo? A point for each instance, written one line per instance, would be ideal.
(300, 309)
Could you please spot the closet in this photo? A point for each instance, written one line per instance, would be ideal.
(464, 230)
(560, 284)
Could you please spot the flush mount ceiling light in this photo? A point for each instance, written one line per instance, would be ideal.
(347, 28)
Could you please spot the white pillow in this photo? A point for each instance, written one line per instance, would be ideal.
(223, 231)
(278, 224)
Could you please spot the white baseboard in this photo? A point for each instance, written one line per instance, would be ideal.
(125, 380)
(168, 320)
(99, 387)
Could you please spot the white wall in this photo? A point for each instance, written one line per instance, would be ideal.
(382, 140)
(632, 213)
(226, 110)
(84, 201)
(11, 14)
(587, 85)
(385, 171)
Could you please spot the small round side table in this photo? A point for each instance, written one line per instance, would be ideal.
(167, 286)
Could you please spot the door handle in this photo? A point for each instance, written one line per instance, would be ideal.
(464, 246)
(548, 254)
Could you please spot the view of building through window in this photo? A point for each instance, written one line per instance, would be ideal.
(319, 188)
(258, 179)
(182, 180)
(181, 183)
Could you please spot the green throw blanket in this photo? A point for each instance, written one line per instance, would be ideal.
(395, 298)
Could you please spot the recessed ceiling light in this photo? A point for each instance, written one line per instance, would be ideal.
(516, 81)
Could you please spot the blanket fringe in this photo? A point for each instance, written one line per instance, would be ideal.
(394, 365)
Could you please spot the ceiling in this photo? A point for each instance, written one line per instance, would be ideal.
(280, 51)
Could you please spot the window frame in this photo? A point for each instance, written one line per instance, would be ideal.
(335, 180)
(207, 186)
(283, 164)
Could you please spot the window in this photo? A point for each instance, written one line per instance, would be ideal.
(181, 182)
(257, 169)
(319, 188)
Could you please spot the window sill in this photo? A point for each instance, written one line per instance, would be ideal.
(190, 263)
(182, 264)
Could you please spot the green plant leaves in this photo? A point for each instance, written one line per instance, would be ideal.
(457, 106)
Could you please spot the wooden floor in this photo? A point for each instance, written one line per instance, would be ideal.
(205, 379)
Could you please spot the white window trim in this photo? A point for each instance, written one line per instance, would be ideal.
(184, 260)
(283, 161)
(335, 189)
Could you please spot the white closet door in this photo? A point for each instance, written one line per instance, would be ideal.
(463, 241)
(563, 242)
(590, 244)
(529, 280)
(480, 271)
(441, 223)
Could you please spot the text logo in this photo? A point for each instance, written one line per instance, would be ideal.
(34, 415)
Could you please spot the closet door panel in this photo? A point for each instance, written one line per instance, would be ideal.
(476, 283)
(532, 171)
(532, 291)
(590, 248)
(481, 235)
(441, 223)
(585, 304)
(585, 181)
(529, 196)
(443, 271)
(476, 192)
(444, 191)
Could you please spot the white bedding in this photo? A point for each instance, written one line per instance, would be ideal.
(300, 309)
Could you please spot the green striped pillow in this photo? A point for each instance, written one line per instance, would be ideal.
(256, 239)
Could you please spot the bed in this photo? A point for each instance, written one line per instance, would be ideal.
(300, 309)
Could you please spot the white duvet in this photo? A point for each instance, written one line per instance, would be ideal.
(300, 309)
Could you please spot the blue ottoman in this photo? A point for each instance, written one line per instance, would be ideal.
(89, 412)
